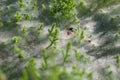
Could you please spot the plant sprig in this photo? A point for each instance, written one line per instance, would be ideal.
(81, 57)
(118, 61)
(45, 59)
(24, 31)
(31, 72)
(21, 4)
(53, 36)
(66, 53)
(79, 32)
(15, 39)
(27, 16)
(19, 52)
(62, 8)
(109, 72)
(40, 28)
(18, 16)
(35, 5)
(1, 24)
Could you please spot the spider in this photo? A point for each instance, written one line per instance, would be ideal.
(69, 31)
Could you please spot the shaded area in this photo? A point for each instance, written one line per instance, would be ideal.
(9, 27)
(10, 2)
(8, 10)
(12, 68)
(48, 17)
(7, 17)
(105, 23)
(115, 10)
(9, 61)
(109, 27)
(44, 12)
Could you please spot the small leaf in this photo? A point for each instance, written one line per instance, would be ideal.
(27, 16)
(82, 35)
(68, 47)
(15, 39)
(1, 24)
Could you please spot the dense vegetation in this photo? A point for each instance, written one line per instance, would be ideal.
(31, 47)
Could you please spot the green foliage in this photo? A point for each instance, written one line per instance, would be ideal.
(18, 16)
(116, 35)
(90, 7)
(43, 7)
(118, 60)
(2, 76)
(24, 75)
(78, 55)
(82, 8)
(24, 31)
(105, 3)
(35, 5)
(58, 10)
(4, 43)
(19, 52)
(40, 28)
(112, 18)
(81, 57)
(95, 5)
(8, 8)
(90, 36)
(68, 47)
(1, 24)
(21, 3)
(43, 65)
(81, 74)
(90, 75)
(31, 72)
(109, 73)
(52, 29)
(53, 35)
(79, 33)
(15, 39)
(82, 35)
(1, 10)
(27, 16)
(77, 72)
(66, 54)
(62, 9)
(45, 58)
(56, 73)
(111, 77)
